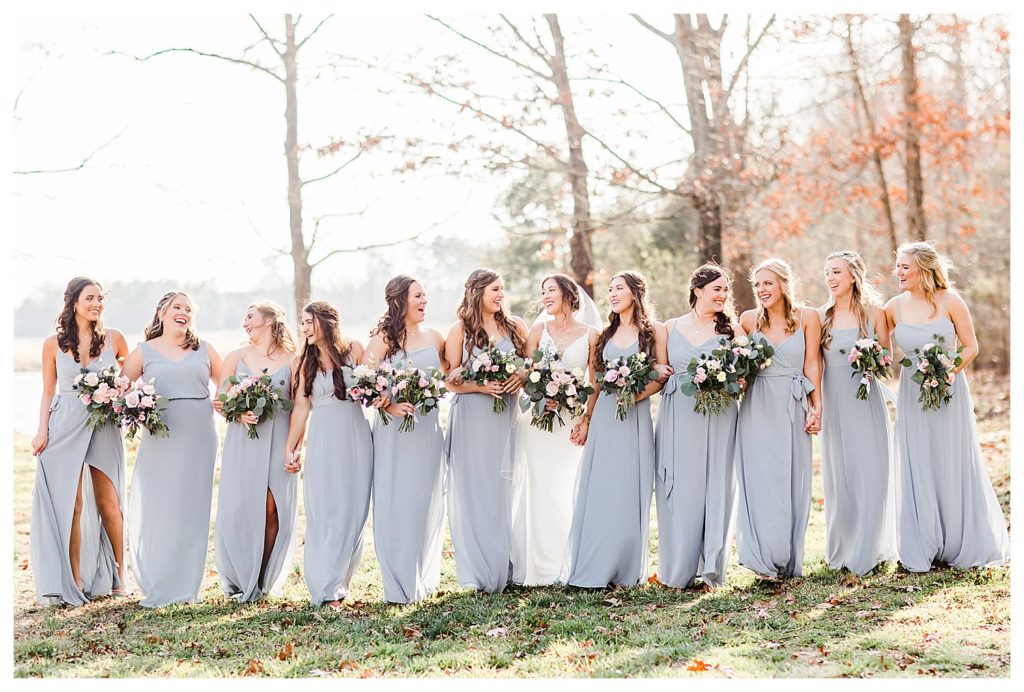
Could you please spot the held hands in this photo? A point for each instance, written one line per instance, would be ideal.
(579, 433)
(218, 406)
(491, 387)
(515, 382)
(812, 425)
(550, 404)
(292, 461)
(664, 372)
(39, 442)
(401, 410)
(248, 418)
(455, 376)
(384, 402)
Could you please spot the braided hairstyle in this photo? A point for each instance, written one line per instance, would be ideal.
(864, 296)
(156, 326)
(701, 277)
(67, 326)
(643, 318)
(568, 287)
(470, 313)
(327, 320)
(391, 325)
(282, 336)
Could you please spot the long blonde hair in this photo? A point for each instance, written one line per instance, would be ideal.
(282, 336)
(791, 309)
(156, 326)
(864, 296)
(934, 269)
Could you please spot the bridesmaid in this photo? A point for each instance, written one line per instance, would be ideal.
(543, 485)
(72, 560)
(612, 500)
(172, 487)
(947, 511)
(856, 436)
(773, 450)
(695, 485)
(480, 444)
(257, 504)
(340, 473)
(408, 467)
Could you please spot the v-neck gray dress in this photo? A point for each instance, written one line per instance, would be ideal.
(248, 468)
(172, 486)
(70, 447)
(947, 510)
(856, 465)
(695, 484)
(773, 464)
(612, 498)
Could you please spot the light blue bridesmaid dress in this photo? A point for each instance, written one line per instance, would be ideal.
(773, 464)
(612, 505)
(856, 464)
(408, 497)
(70, 447)
(172, 486)
(336, 484)
(480, 451)
(947, 511)
(248, 468)
(695, 485)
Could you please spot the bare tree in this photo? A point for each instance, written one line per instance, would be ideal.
(916, 225)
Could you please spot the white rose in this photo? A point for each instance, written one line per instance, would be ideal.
(92, 379)
(767, 363)
(721, 377)
(146, 402)
(78, 378)
(534, 376)
(570, 402)
(132, 400)
(714, 365)
(148, 389)
(571, 390)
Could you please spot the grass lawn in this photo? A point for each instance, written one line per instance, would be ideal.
(947, 623)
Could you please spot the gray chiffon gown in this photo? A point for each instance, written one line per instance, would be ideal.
(408, 497)
(248, 469)
(612, 498)
(70, 447)
(337, 481)
(773, 464)
(172, 486)
(856, 465)
(947, 510)
(695, 485)
(480, 449)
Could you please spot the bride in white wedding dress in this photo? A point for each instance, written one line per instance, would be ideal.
(547, 463)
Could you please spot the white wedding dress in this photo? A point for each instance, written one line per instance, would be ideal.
(543, 483)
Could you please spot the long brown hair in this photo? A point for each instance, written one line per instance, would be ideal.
(643, 318)
(790, 309)
(67, 326)
(391, 325)
(283, 339)
(156, 326)
(470, 313)
(701, 277)
(863, 296)
(328, 322)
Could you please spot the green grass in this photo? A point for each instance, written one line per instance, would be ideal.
(949, 623)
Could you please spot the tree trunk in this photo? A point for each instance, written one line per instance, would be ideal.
(916, 225)
(582, 257)
(300, 254)
(876, 154)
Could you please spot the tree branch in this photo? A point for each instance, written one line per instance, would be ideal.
(376, 246)
(247, 63)
(310, 34)
(272, 42)
(654, 30)
(661, 106)
(490, 50)
(533, 49)
(335, 171)
(81, 165)
(746, 58)
(637, 172)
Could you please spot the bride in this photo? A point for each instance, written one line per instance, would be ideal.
(545, 472)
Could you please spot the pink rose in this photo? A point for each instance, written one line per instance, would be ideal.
(624, 370)
(86, 399)
(853, 356)
(423, 383)
(950, 378)
(146, 402)
(132, 400)
(402, 385)
(611, 375)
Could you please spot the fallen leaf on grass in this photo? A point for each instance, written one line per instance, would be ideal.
(411, 632)
(497, 632)
(831, 602)
(653, 579)
(699, 666)
(153, 639)
(286, 652)
(366, 673)
(255, 667)
(347, 664)
(601, 630)
(849, 580)
(772, 645)
(612, 601)
(930, 637)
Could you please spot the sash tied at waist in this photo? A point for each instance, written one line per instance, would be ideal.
(799, 387)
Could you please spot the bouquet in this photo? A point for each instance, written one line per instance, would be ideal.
(141, 407)
(370, 385)
(253, 393)
(626, 377)
(97, 392)
(934, 373)
(712, 380)
(751, 357)
(421, 388)
(869, 360)
(493, 365)
(549, 379)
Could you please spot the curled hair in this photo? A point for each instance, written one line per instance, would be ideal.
(791, 309)
(864, 296)
(391, 325)
(643, 318)
(568, 287)
(338, 349)
(934, 269)
(67, 326)
(701, 277)
(283, 339)
(156, 326)
(470, 313)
